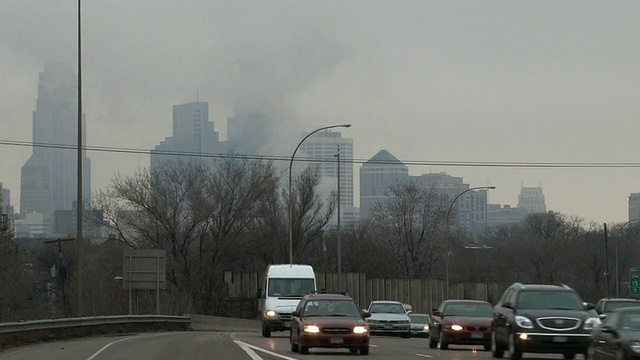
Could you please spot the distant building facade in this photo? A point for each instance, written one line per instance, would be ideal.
(505, 215)
(249, 133)
(634, 206)
(376, 175)
(532, 199)
(469, 211)
(193, 135)
(321, 149)
(49, 177)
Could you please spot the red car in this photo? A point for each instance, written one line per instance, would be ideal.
(461, 322)
(329, 321)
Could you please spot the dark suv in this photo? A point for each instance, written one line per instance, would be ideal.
(541, 319)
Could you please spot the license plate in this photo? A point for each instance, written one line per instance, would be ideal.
(287, 324)
(559, 339)
(337, 340)
(477, 335)
(388, 326)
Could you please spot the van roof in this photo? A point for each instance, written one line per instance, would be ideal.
(290, 271)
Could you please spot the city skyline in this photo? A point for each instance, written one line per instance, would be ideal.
(485, 84)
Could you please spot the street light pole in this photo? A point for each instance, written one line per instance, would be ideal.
(338, 234)
(447, 234)
(290, 202)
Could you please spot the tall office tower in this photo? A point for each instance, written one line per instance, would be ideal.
(5, 201)
(376, 175)
(49, 178)
(5, 208)
(249, 133)
(193, 134)
(469, 211)
(634, 206)
(321, 150)
(532, 199)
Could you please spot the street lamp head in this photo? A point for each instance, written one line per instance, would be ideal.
(345, 125)
(491, 187)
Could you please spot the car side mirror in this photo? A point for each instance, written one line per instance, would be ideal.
(366, 314)
(588, 306)
(507, 305)
(602, 316)
(295, 313)
(437, 313)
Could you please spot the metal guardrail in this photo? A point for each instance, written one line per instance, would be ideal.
(25, 326)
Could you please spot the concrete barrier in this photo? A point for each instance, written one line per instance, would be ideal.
(21, 333)
(217, 323)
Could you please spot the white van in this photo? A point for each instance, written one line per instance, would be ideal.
(284, 286)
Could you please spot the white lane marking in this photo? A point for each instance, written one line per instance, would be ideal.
(127, 338)
(248, 350)
(373, 345)
(423, 355)
(106, 346)
(240, 343)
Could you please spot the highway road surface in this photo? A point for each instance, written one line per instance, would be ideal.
(200, 345)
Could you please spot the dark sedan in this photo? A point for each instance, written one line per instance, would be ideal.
(618, 337)
(329, 321)
(461, 322)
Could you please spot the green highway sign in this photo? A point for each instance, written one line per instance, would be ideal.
(634, 281)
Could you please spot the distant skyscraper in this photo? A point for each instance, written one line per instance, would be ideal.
(532, 199)
(5, 201)
(193, 133)
(376, 175)
(634, 207)
(49, 178)
(323, 146)
(249, 133)
(469, 210)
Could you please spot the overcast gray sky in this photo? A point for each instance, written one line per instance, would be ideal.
(493, 81)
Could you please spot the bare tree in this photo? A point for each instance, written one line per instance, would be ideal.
(410, 219)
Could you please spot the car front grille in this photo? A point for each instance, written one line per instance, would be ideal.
(558, 323)
(285, 316)
(336, 330)
(473, 328)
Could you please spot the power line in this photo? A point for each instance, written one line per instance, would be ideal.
(446, 163)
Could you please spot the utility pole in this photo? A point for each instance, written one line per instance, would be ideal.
(606, 259)
(339, 229)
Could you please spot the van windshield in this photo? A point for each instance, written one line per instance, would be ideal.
(290, 287)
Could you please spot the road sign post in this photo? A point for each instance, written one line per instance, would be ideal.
(634, 281)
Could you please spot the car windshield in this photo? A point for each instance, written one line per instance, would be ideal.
(331, 308)
(612, 305)
(419, 318)
(630, 321)
(390, 308)
(562, 300)
(468, 309)
(290, 287)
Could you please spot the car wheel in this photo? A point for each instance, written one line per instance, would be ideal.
(487, 347)
(364, 350)
(406, 336)
(353, 350)
(433, 343)
(619, 354)
(516, 352)
(443, 344)
(294, 346)
(497, 350)
(266, 331)
(569, 356)
(303, 349)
